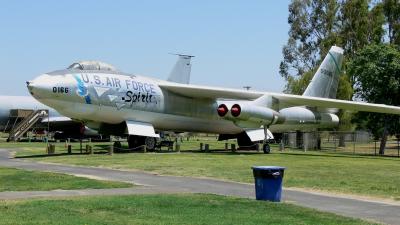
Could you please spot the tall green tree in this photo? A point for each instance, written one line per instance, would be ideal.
(391, 9)
(317, 25)
(376, 69)
(312, 32)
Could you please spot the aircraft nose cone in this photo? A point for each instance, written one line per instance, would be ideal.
(39, 87)
(29, 85)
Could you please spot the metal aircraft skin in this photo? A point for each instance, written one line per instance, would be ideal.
(111, 101)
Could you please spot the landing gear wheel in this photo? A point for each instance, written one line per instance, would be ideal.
(150, 143)
(134, 142)
(266, 148)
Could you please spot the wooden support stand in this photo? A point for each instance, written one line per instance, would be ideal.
(51, 149)
(69, 149)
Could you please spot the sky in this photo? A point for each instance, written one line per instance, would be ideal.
(236, 43)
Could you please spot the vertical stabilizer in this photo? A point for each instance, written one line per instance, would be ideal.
(324, 84)
(181, 71)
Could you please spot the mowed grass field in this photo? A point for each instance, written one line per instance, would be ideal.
(22, 180)
(162, 209)
(337, 173)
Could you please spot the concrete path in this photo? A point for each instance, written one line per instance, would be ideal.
(150, 183)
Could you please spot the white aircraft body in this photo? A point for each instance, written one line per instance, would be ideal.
(115, 102)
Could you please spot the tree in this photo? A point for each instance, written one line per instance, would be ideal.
(376, 69)
(311, 34)
(317, 25)
(391, 9)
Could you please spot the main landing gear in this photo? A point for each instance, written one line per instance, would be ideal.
(134, 142)
(244, 142)
(266, 148)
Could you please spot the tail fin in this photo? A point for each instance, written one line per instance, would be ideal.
(324, 84)
(181, 71)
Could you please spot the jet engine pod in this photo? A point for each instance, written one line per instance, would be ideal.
(236, 110)
(222, 110)
(254, 113)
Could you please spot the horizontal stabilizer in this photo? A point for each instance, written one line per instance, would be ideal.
(141, 129)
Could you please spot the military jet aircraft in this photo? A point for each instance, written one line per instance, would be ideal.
(118, 103)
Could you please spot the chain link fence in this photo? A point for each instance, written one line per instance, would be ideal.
(358, 142)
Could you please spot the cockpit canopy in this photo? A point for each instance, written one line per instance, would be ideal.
(92, 65)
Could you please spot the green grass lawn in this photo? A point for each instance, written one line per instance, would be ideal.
(343, 173)
(22, 180)
(162, 209)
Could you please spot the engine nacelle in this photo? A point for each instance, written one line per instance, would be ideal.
(247, 112)
(302, 116)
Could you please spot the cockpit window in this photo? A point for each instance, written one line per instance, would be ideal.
(92, 65)
(75, 66)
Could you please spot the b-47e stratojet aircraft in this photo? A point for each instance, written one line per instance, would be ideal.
(119, 103)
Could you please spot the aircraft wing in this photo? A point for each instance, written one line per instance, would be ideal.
(205, 92)
(284, 100)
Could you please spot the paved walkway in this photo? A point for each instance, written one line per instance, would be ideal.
(150, 183)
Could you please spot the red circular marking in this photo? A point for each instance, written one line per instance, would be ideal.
(222, 110)
(236, 110)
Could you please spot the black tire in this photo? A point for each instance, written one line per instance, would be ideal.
(266, 148)
(150, 143)
(134, 142)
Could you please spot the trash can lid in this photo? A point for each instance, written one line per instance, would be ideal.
(268, 168)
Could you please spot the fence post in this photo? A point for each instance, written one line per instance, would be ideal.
(398, 145)
(144, 148)
(334, 140)
(80, 141)
(111, 150)
(281, 146)
(87, 149)
(354, 143)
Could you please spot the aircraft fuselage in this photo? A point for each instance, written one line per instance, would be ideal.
(114, 97)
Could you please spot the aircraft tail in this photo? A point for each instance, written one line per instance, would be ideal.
(181, 71)
(324, 84)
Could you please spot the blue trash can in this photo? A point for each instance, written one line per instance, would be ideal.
(268, 182)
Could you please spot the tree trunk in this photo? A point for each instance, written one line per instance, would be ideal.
(384, 138)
